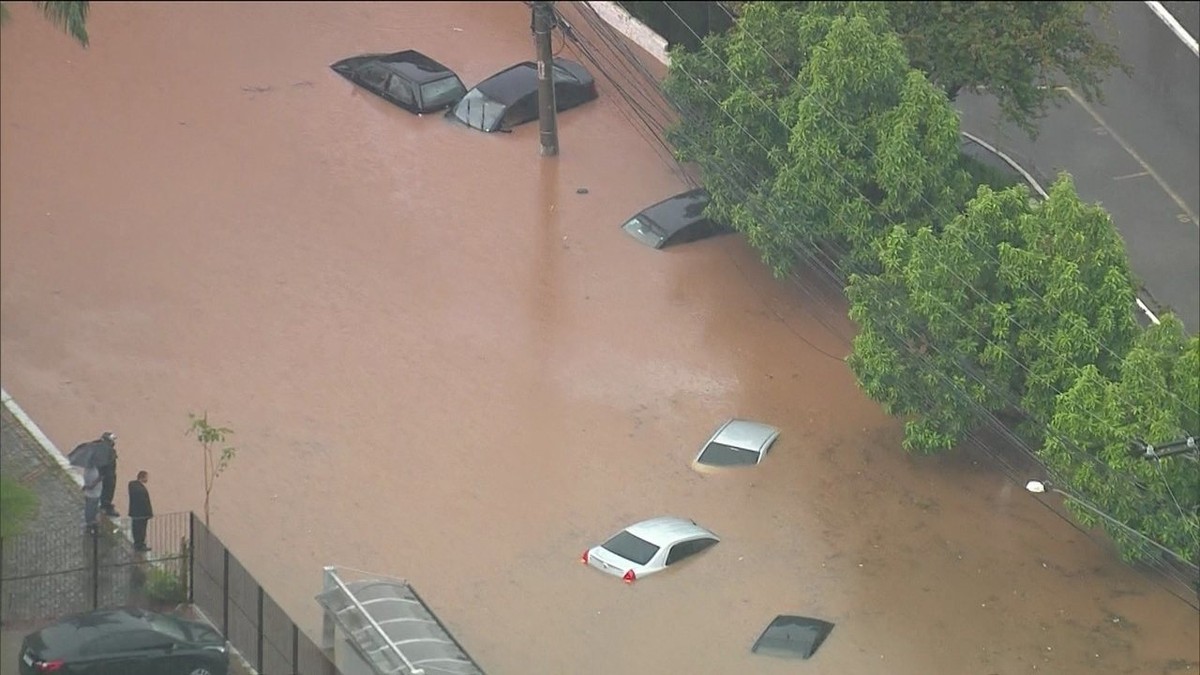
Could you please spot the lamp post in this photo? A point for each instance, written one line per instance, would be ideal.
(1040, 487)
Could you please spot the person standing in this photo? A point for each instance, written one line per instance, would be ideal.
(92, 486)
(105, 459)
(140, 510)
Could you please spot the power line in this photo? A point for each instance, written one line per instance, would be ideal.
(862, 144)
(762, 48)
(955, 388)
(967, 240)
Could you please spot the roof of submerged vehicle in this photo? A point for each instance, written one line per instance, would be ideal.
(745, 435)
(678, 211)
(410, 63)
(517, 81)
(667, 529)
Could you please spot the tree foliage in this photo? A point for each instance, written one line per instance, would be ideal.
(70, 16)
(1155, 395)
(1020, 52)
(810, 127)
(998, 312)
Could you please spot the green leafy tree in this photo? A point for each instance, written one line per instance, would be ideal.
(216, 454)
(69, 16)
(810, 127)
(18, 505)
(1153, 396)
(999, 311)
(1020, 52)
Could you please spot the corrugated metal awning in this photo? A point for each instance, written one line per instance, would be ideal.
(393, 629)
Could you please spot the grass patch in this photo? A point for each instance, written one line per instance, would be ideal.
(18, 505)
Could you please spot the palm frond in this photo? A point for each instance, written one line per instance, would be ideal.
(69, 16)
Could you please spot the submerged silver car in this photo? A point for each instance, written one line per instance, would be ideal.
(648, 547)
(737, 443)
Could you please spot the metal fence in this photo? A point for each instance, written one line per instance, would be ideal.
(248, 617)
(48, 574)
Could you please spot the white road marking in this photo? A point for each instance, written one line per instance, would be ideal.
(1132, 175)
(1133, 153)
(1173, 24)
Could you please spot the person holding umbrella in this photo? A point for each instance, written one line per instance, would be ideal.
(100, 454)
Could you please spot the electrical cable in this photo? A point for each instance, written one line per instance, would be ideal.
(842, 275)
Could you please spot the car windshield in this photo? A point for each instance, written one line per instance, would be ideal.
(629, 547)
(169, 627)
(440, 92)
(645, 230)
(719, 454)
(479, 111)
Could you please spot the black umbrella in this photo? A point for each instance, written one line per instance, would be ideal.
(95, 453)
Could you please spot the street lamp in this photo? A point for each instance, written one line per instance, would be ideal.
(1040, 487)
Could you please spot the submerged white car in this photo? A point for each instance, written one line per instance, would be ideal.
(648, 547)
(737, 443)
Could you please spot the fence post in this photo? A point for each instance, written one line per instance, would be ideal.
(191, 549)
(2, 580)
(225, 594)
(295, 649)
(260, 628)
(96, 570)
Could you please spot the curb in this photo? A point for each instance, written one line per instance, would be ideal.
(42, 439)
(654, 44)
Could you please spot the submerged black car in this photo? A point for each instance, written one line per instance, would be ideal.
(409, 79)
(125, 642)
(509, 97)
(674, 220)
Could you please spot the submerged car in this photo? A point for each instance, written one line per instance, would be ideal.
(737, 443)
(409, 79)
(792, 637)
(648, 547)
(675, 220)
(125, 642)
(510, 97)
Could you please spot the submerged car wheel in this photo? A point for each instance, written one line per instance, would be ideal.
(198, 669)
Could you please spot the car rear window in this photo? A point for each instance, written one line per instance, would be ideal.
(441, 92)
(479, 111)
(719, 454)
(632, 548)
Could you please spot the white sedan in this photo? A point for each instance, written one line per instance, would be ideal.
(648, 547)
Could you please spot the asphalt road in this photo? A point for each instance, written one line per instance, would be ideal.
(1136, 153)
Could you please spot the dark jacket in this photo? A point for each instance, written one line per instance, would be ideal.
(139, 500)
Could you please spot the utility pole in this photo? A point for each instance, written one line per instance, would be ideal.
(543, 24)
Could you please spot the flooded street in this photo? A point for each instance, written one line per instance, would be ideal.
(442, 363)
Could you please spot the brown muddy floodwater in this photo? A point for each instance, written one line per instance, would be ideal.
(444, 364)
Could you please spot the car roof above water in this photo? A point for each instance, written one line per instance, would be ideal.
(410, 63)
(667, 529)
(678, 211)
(517, 81)
(745, 434)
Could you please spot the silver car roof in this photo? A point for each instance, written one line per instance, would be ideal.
(666, 530)
(745, 435)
